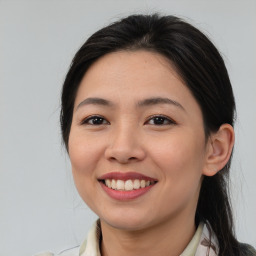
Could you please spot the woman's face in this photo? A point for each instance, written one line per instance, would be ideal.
(137, 143)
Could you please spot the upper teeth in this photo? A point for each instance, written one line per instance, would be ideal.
(127, 185)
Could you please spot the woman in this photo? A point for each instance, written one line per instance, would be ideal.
(147, 119)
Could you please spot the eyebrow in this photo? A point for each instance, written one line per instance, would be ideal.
(159, 100)
(147, 102)
(94, 101)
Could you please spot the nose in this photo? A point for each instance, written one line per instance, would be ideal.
(125, 146)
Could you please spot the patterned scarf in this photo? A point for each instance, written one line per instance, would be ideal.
(208, 245)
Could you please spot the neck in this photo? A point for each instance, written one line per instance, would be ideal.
(166, 239)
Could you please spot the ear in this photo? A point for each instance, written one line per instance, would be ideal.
(219, 149)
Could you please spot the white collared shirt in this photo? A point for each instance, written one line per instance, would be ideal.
(203, 243)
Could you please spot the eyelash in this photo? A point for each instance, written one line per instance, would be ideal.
(161, 118)
(157, 118)
(91, 118)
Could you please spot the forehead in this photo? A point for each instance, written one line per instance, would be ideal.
(137, 63)
(132, 75)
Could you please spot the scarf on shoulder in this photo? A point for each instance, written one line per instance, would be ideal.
(208, 243)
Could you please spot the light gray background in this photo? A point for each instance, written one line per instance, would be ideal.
(39, 207)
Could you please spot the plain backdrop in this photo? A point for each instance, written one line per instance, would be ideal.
(39, 206)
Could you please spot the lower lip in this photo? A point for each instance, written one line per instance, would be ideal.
(125, 195)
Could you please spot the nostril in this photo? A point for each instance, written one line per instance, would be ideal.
(124, 153)
(122, 159)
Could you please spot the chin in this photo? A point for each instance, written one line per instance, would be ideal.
(126, 222)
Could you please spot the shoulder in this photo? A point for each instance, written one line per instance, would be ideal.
(90, 246)
(247, 250)
(69, 252)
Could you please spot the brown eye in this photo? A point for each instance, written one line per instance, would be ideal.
(160, 120)
(95, 120)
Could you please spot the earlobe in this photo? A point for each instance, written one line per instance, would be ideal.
(219, 149)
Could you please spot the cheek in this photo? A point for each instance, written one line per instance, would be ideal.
(84, 157)
(181, 158)
(83, 154)
(181, 164)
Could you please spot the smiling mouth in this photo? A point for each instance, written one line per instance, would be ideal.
(127, 185)
(129, 181)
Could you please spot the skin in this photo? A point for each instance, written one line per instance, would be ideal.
(127, 139)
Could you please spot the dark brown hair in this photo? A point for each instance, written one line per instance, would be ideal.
(201, 67)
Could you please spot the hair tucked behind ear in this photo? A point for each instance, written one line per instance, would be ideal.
(202, 69)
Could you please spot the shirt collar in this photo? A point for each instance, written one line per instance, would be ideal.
(204, 242)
